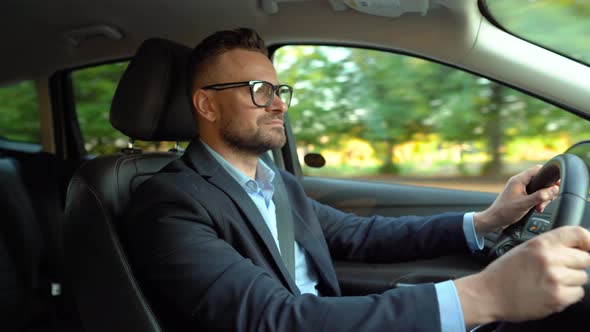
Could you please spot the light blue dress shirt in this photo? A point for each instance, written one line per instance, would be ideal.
(261, 191)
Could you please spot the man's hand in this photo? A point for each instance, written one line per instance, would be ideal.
(539, 277)
(513, 203)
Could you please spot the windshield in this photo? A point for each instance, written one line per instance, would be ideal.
(560, 25)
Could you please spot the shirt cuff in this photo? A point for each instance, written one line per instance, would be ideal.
(474, 242)
(449, 307)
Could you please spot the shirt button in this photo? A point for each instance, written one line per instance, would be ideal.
(251, 185)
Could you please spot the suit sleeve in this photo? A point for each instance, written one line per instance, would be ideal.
(175, 248)
(386, 239)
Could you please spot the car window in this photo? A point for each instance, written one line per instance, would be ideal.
(19, 113)
(94, 88)
(381, 116)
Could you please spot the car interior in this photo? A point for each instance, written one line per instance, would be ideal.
(63, 266)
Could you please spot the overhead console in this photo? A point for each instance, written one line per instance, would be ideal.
(387, 8)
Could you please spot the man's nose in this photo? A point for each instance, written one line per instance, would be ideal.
(277, 105)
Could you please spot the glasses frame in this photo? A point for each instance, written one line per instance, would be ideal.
(231, 85)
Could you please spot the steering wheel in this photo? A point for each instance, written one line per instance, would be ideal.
(568, 207)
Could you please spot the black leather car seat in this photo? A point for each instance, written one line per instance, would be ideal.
(21, 251)
(150, 104)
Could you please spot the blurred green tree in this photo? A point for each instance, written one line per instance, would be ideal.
(19, 112)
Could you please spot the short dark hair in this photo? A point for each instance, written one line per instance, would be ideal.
(207, 51)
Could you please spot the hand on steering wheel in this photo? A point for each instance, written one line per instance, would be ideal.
(570, 203)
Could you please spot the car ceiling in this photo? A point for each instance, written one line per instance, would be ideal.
(35, 44)
(34, 34)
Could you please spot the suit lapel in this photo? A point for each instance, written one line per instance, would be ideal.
(317, 252)
(210, 169)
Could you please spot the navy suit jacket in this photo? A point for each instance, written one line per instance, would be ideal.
(208, 262)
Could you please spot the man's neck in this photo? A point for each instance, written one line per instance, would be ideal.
(244, 161)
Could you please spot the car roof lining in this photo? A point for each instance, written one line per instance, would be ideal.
(448, 34)
(194, 21)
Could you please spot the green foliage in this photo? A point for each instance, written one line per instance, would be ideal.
(561, 25)
(19, 113)
(393, 91)
(389, 100)
(319, 93)
(94, 88)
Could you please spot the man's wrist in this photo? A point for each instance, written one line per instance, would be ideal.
(477, 302)
(482, 221)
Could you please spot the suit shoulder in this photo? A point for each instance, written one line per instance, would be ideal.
(174, 190)
(176, 178)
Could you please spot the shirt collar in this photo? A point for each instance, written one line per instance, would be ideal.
(263, 178)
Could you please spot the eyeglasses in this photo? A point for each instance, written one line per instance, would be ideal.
(262, 92)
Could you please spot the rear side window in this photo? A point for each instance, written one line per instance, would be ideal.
(94, 88)
(19, 113)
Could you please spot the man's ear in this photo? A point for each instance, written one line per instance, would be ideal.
(203, 105)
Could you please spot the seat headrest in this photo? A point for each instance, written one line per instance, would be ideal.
(151, 102)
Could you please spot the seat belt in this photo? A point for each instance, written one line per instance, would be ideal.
(284, 224)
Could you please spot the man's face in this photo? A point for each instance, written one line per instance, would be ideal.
(242, 124)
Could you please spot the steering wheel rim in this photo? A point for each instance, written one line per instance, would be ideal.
(569, 204)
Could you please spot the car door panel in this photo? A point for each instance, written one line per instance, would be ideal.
(369, 198)
(362, 279)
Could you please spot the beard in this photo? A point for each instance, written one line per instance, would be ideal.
(253, 140)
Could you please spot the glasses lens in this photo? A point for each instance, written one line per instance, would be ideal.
(262, 93)
(285, 93)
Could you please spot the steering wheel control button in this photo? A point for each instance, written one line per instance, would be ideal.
(533, 227)
(538, 225)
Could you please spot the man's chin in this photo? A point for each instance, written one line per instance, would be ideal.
(276, 138)
(278, 130)
(268, 145)
(279, 143)
(273, 145)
